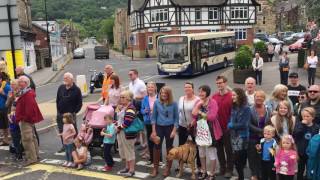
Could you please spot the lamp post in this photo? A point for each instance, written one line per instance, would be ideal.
(48, 35)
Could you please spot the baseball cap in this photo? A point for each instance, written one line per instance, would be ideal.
(293, 75)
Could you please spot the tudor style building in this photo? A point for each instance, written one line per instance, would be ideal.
(150, 19)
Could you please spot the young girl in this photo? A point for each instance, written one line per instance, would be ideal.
(286, 158)
(283, 120)
(302, 134)
(81, 155)
(108, 141)
(68, 135)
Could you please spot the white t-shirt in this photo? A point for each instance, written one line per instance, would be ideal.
(312, 61)
(188, 107)
(137, 87)
(250, 98)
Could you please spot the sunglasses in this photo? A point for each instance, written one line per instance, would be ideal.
(311, 91)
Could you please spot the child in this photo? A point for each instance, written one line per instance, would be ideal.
(68, 135)
(286, 158)
(108, 141)
(15, 133)
(267, 149)
(81, 155)
(283, 120)
(303, 132)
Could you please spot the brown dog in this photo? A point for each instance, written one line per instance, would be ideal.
(185, 154)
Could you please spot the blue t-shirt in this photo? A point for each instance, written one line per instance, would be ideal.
(3, 98)
(110, 129)
(267, 145)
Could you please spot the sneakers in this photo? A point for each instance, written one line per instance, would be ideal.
(107, 168)
(125, 170)
(228, 174)
(61, 150)
(70, 164)
(128, 174)
(65, 164)
(80, 166)
(202, 175)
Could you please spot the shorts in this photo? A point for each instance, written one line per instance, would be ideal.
(4, 123)
(126, 147)
(210, 151)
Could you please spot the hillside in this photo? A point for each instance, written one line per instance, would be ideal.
(87, 13)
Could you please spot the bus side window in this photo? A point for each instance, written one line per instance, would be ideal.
(204, 48)
(211, 48)
(218, 46)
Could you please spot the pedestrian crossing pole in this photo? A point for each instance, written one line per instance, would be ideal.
(11, 39)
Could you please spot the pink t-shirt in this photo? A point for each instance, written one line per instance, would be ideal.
(68, 133)
(286, 162)
(114, 96)
(151, 102)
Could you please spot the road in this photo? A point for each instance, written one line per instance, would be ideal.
(49, 167)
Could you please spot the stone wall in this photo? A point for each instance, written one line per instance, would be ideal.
(266, 18)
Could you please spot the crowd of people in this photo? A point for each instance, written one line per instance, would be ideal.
(271, 134)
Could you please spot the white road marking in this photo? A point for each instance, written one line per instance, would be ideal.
(6, 148)
(172, 178)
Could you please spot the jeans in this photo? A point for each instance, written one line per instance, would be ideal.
(29, 141)
(302, 162)
(258, 76)
(16, 140)
(267, 170)
(224, 147)
(164, 132)
(60, 123)
(270, 56)
(253, 158)
(284, 77)
(107, 154)
(240, 160)
(69, 149)
(311, 75)
(183, 136)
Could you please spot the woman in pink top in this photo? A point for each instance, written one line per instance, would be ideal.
(114, 91)
(286, 159)
(68, 135)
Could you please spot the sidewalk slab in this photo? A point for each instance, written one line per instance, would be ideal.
(271, 74)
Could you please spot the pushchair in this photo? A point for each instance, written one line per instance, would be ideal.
(94, 121)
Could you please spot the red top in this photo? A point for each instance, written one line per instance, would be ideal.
(225, 105)
(27, 108)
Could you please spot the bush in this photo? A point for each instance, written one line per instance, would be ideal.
(260, 47)
(243, 58)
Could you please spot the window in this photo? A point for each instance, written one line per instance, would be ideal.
(150, 42)
(264, 20)
(218, 47)
(133, 20)
(259, 8)
(204, 49)
(213, 13)
(159, 15)
(241, 34)
(198, 14)
(211, 47)
(239, 12)
(28, 57)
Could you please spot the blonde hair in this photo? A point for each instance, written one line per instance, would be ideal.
(280, 119)
(127, 94)
(309, 110)
(290, 139)
(278, 89)
(3, 67)
(260, 92)
(168, 91)
(270, 128)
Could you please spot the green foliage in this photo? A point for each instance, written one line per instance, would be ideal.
(243, 58)
(92, 17)
(106, 30)
(260, 47)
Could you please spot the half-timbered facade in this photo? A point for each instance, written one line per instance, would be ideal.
(150, 19)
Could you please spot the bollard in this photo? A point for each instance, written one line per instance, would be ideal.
(82, 84)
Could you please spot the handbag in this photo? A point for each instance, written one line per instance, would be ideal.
(203, 136)
(306, 65)
(135, 127)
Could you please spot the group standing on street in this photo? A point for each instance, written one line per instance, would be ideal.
(229, 126)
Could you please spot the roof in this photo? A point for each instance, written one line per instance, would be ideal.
(139, 4)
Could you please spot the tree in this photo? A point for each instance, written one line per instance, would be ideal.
(106, 30)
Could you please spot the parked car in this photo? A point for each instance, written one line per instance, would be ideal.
(262, 37)
(275, 41)
(296, 46)
(101, 52)
(283, 35)
(294, 37)
(79, 53)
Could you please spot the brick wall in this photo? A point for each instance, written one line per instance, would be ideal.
(41, 38)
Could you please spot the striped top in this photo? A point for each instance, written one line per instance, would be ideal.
(129, 114)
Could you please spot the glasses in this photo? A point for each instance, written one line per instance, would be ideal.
(311, 91)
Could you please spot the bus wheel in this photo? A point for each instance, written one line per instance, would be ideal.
(225, 62)
(205, 68)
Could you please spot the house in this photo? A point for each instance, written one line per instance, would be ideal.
(27, 36)
(266, 17)
(150, 19)
(121, 31)
(58, 46)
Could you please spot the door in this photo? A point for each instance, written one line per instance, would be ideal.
(195, 56)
